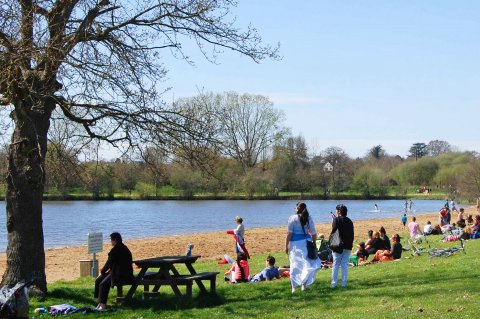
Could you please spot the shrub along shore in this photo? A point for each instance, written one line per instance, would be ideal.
(288, 196)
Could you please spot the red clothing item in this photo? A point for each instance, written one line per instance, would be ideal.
(238, 273)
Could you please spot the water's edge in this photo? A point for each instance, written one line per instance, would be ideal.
(238, 197)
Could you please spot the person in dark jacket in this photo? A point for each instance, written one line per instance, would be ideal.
(384, 237)
(117, 271)
(396, 252)
(376, 244)
(345, 228)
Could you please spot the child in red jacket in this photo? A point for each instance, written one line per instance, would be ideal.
(240, 270)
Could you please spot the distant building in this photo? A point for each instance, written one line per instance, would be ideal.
(328, 167)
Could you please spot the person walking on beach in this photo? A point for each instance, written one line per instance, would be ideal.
(404, 220)
(346, 231)
(406, 205)
(117, 271)
(240, 232)
(454, 208)
(303, 271)
(239, 235)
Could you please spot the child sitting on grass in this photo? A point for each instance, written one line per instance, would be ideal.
(361, 252)
(270, 271)
(240, 270)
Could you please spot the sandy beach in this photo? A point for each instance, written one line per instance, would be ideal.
(63, 263)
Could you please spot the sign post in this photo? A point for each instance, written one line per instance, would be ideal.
(95, 245)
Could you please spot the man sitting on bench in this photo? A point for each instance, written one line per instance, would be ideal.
(117, 271)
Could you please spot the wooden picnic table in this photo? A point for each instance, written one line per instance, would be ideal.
(167, 274)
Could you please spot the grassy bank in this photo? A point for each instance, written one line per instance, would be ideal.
(413, 287)
(168, 192)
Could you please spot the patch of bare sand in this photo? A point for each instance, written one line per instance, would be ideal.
(63, 263)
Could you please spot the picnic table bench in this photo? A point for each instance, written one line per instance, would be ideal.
(168, 275)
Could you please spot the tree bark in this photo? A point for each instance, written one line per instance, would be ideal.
(25, 186)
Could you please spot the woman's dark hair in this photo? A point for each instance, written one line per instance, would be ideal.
(302, 210)
(370, 233)
(382, 230)
(117, 237)
(342, 209)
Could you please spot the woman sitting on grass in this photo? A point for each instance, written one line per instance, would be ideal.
(384, 237)
(376, 244)
(395, 253)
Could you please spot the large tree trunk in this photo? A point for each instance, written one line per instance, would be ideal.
(25, 185)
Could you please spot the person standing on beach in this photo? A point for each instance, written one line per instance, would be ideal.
(239, 232)
(117, 271)
(346, 231)
(410, 203)
(404, 219)
(452, 204)
(303, 271)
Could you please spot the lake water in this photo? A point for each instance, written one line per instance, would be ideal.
(68, 223)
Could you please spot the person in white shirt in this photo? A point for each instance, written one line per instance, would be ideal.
(428, 228)
(240, 233)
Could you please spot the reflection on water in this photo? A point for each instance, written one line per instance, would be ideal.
(68, 223)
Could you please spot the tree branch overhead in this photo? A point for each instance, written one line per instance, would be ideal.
(99, 63)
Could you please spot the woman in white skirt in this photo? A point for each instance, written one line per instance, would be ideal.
(303, 271)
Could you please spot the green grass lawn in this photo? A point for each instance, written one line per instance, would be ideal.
(413, 287)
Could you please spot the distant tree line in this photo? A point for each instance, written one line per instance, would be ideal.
(255, 156)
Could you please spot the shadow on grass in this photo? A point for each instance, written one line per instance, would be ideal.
(170, 302)
(74, 295)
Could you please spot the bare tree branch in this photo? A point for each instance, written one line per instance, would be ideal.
(100, 63)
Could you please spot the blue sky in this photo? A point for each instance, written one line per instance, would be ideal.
(355, 74)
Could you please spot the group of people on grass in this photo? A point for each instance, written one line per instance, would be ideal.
(379, 246)
(465, 227)
(240, 269)
(302, 270)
